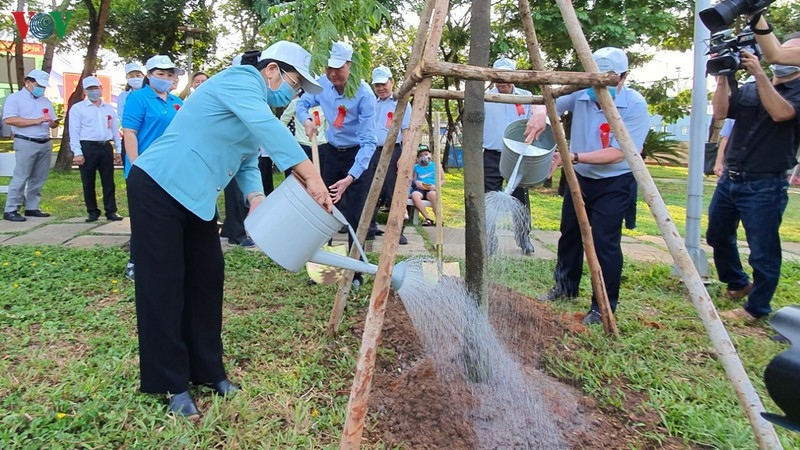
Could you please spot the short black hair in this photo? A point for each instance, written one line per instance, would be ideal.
(281, 65)
(31, 79)
(199, 73)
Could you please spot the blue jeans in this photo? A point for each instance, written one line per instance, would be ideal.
(759, 205)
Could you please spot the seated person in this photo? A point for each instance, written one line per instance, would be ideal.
(423, 183)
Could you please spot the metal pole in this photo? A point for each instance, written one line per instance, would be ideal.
(697, 139)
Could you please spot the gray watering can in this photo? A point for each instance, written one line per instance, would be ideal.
(522, 164)
(291, 228)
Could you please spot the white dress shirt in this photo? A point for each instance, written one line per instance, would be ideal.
(24, 105)
(90, 122)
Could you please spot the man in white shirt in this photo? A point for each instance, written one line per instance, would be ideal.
(30, 115)
(92, 127)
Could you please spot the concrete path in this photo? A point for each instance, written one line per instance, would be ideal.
(76, 232)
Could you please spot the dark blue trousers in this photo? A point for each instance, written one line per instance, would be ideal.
(759, 205)
(607, 201)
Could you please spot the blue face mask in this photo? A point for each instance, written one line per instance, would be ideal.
(592, 95)
(136, 83)
(280, 97)
(94, 95)
(37, 91)
(160, 85)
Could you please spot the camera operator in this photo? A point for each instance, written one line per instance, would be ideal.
(753, 187)
(774, 53)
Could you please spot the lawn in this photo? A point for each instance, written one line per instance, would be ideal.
(68, 354)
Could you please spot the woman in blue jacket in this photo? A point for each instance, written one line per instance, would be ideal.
(172, 193)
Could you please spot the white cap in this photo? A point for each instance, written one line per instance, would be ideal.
(40, 76)
(611, 59)
(159, 62)
(134, 66)
(341, 52)
(297, 57)
(91, 81)
(505, 64)
(381, 75)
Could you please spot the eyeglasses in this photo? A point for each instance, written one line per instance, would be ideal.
(295, 84)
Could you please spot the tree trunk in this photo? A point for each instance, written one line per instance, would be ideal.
(475, 215)
(97, 25)
(18, 52)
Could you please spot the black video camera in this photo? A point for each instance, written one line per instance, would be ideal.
(727, 48)
(725, 12)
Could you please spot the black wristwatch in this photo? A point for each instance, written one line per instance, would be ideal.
(763, 32)
(575, 158)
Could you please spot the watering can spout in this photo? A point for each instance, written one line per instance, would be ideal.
(343, 262)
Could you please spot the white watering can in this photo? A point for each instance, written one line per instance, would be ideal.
(291, 228)
(523, 164)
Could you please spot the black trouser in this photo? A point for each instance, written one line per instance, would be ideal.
(265, 166)
(391, 174)
(334, 164)
(493, 181)
(607, 200)
(235, 213)
(179, 282)
(98, 158)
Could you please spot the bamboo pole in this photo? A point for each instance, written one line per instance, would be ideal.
(359, 394)
(726, 352)
(511, 99)
(598, 284)
(337, 312)
(475, 73)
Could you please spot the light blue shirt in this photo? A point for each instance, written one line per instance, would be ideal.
(498, 116)
(358, 128)
(121, 99)
(148, 115)
(215, 138)
(382, 122)
(586, 120)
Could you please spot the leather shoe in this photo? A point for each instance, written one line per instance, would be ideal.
(553, 294)
(527, 249)
(36, 213)
(223, 388)
(93, 217)
(593, 318)
(736, 294)
(14, 217)
(403, 239)
(113, 216)
(182, 404)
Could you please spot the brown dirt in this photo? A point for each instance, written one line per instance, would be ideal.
(411, 409)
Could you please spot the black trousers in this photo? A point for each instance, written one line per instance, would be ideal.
(493, 181)
(607, 201)
(235, 213)
(98, 158)
(334, 164)
(179, 281)
(265, 166)
(391, 174)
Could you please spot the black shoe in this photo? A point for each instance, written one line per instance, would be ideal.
(343, 230)
(370, 237)
(527, 249)
(35, 213)
(182, 404)
(593, 318)
(378, 232)
(403, 239)
(223, 388)
(113, 216)
(553, 294)
(14, 217)
(93, 217)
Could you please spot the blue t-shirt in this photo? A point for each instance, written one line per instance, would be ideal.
(425, 174)
(148, 115)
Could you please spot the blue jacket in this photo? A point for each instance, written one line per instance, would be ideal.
(215, 137)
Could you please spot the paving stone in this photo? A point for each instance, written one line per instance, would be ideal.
(645, 252)
(51, 234)
(7, 226)
(89, 241)
(113, 227)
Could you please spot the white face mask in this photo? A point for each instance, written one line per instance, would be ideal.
(781, 70)
(94, 94)
(136, 83)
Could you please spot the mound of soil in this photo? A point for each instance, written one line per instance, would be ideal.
(411, 408)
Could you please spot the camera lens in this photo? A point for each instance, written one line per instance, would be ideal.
(722, 14)
(722, 65)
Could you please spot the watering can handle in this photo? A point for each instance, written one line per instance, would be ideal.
(340, 217)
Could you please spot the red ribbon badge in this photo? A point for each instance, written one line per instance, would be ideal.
(108, 121)
(520, 110)
(317, 121)
(605, 134)
(176, 106)
(46, 112)
(389, 118)
(340, 117)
